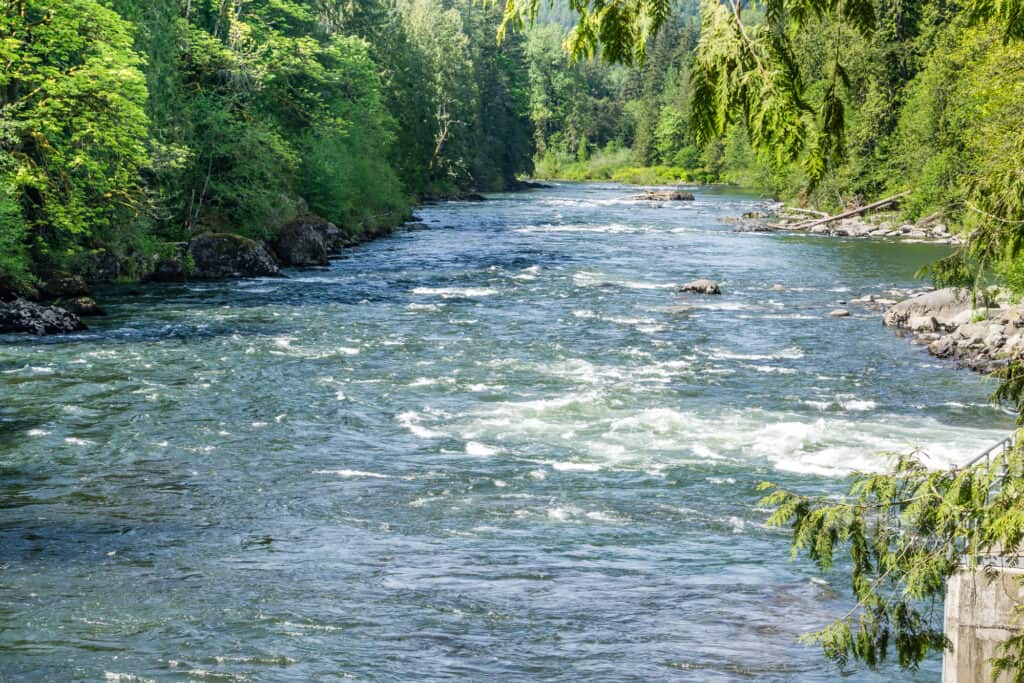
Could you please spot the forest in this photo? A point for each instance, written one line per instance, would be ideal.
(127, 125)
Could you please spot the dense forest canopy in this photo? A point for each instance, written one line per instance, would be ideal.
(128, 124)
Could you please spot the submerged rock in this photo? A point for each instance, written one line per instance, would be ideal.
(25, 316)
(226, 255)
(702, 286)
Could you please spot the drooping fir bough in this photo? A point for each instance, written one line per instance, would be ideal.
(902, 535)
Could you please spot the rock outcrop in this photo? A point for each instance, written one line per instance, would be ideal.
(701, 286)
(21, 315)
(62, 286)
(942, 310)
(300, 244)
(217, 256)
(977, 337)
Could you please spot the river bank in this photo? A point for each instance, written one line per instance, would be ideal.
(63, 298)
(888, 225)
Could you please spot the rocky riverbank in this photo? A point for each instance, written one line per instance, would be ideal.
(59, 303)
(978, 334)
(880, 225)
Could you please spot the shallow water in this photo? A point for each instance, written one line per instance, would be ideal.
(499, 449)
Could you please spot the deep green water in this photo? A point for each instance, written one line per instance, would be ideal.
(499, 449)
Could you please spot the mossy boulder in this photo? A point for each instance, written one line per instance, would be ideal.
(217, 256)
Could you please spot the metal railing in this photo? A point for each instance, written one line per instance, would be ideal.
(998, 450)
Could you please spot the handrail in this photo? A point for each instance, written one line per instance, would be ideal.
(986, 455)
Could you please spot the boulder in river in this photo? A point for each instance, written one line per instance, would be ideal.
(225, 255)
(308, 241)
(82, 306)
(702, 286)
(840, 313)
(21, 315)
(301, 243)
(665, 196)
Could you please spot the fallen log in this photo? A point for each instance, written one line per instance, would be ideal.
(807, 225)
(810, 212)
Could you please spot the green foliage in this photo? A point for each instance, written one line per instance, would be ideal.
(72, 138)
(255, 111)
(902, 534)
(14, 232)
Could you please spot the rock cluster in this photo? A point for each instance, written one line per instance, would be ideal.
(957, 325)
(21, 315)
(877, 226)
(664, 196)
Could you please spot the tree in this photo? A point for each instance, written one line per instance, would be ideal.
(73, 130)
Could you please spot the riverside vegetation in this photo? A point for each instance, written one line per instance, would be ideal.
(129, 127)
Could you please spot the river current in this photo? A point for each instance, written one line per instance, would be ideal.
(502, 448)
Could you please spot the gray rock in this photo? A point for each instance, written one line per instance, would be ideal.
(308, 242)
(943, 347)
(301, 243)
(25, 316)
(942, 310)
(217, 256)
(840, 313)
(701, 286)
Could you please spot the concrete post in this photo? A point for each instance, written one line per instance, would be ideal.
(979, 616)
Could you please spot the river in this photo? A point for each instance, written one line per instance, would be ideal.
(501, 448)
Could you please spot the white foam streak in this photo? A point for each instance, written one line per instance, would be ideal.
(455, 292)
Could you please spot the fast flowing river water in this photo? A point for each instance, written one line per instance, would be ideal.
(501, 448)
